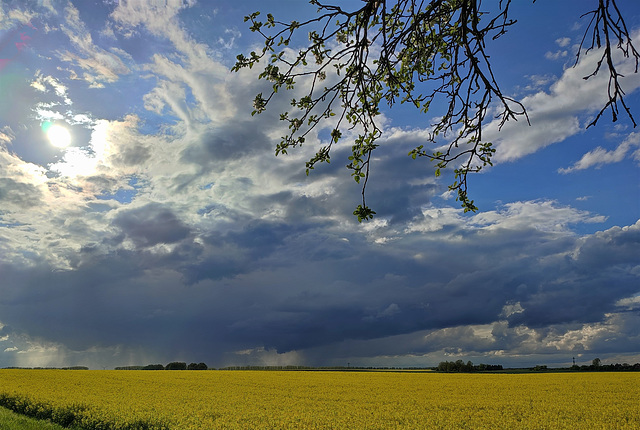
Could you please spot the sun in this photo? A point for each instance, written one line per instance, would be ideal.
(59, 136)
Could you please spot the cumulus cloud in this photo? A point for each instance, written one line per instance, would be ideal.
(562, 42)
(544, 216)
(560, 113)
(556, 55)
(600, 156)
(43, 83)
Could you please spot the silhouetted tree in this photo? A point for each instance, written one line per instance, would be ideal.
(197, 366)
(176, 365)
(153, 367)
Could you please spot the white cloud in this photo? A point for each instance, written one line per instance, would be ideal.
(556, 55)
(556, 115)
(6, 136)
(41, 83)
(116, 150)
(15, 14)
(160, 19)
(435, 219)
(53, 217)
(542, 215)
(600, 156)
(232, 34)
(510, 309)
(100, 65)
(630, 303)
(592, 336)
(539, 81)
(499, 342)
(193, 68)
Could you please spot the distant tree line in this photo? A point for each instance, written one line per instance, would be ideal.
(468, 367)
(597, 366)
(267, 368)
(292, 367)
(174, 365)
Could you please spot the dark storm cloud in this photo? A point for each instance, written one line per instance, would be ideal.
(218, 258)
(588, 285)
(150, 225)
(94, 305)
(360, 308)
(289, 288)
(292, 286)
(398, 185)
(258, 245)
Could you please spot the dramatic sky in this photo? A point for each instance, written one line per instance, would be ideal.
(162, 227)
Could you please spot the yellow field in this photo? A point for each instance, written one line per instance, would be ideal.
(329, 400)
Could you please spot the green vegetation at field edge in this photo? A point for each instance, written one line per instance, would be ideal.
(10, 420)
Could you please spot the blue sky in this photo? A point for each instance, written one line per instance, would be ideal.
(167, 229)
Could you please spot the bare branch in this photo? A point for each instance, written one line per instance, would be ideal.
(611, 27)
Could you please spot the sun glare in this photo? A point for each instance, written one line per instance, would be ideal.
(59, 136)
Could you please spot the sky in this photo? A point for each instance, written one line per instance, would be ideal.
(144, 216)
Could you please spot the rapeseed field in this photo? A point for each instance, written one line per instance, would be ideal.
(190, 400)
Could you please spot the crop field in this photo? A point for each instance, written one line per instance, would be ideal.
(323, 400)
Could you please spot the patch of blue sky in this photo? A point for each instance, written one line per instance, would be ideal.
(123, 95)
(536, 177)
(124, 195)
(209, 208)
(151, 123)
(191, 101)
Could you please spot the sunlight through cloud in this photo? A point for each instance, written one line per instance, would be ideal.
(58, 135)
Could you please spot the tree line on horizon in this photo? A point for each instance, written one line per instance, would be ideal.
(174, 365)
(595, 366)
(468, 367)
(444, 366)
